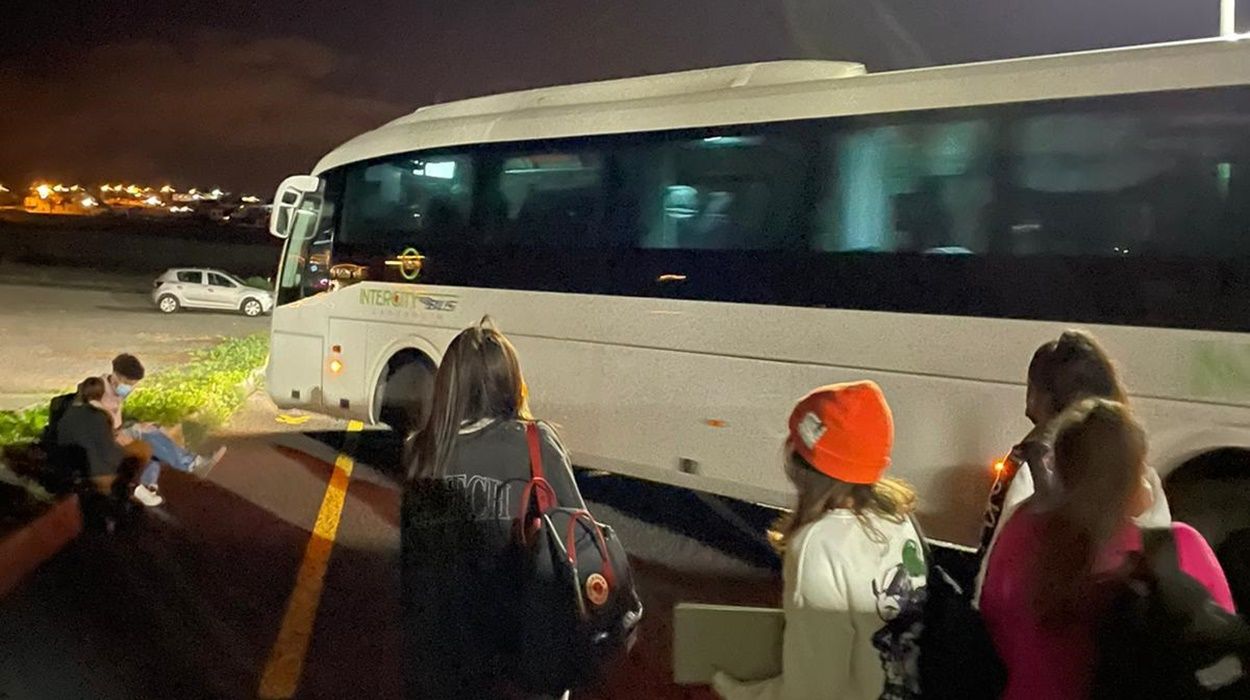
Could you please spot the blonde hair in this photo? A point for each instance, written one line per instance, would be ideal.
(819, 493)
(1100, 457)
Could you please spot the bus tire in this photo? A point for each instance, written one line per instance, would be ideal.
(404, 392)
(1211, 492)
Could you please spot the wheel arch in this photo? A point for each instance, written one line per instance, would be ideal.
(395, 355)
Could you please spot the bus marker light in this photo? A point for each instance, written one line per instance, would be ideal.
(715, 423)
(999, 466)
(336, 366)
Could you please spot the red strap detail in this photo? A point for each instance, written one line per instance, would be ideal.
(571, 544)
(537, 488)
(546, 496)
(536, 450)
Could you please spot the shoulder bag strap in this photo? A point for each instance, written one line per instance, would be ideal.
(1159, 549)
(538, 490)
(924, 542)
(536, 451)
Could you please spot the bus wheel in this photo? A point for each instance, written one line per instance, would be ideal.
(402, 399)
(1212, 493)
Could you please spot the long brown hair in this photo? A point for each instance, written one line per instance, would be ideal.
(819, 493)
(90, 389)
(1072, 368)
(1100, 455)
(479, 378)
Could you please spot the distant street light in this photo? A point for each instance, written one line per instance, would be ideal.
(1228, 17)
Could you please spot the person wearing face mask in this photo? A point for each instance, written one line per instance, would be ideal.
(128, 372)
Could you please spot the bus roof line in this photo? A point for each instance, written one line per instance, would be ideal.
(602, 109)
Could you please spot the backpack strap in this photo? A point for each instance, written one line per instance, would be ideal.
(924, 542)
(538, 492)
(584, 518)
(536, 451)
(1159, 549)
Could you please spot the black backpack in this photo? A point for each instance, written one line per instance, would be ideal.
(1164, 638)
(56, 410)
(958, 660)
(578, 606)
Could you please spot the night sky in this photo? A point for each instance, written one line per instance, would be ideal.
(238, 94)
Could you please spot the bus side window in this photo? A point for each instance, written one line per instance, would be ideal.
(1115, 180)
(912, 187)
(547, 198)
(408, 200)
(720, 192)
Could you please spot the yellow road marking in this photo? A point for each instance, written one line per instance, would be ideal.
(282, 672)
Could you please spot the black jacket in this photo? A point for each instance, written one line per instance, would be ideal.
(459, 575)
(86, 435)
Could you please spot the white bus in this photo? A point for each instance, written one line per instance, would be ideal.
(679, 257)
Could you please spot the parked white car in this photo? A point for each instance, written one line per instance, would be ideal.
(203, 288)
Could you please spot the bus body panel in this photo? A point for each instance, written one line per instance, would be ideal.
(1032, 169)
(697, 393)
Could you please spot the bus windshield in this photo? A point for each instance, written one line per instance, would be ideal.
(305, 269)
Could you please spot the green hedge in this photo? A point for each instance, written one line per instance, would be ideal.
(22, 426)
(207, 389)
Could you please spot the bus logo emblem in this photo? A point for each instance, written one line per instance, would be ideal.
(409, 263)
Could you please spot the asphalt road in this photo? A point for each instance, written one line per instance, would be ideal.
(57, 327)
(188, 600)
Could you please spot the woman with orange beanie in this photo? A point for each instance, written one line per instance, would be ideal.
(854, 564)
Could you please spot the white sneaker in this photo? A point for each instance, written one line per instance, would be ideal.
(203, 464)
(148, 496)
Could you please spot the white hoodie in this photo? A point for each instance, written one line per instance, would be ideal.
(853, 612)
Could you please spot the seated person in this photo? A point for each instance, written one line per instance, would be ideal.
(127, 372)
(87, 426)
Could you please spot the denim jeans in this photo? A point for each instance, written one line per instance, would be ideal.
(164, 449)
(150, 474)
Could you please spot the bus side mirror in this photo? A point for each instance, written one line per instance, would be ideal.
(290, 199)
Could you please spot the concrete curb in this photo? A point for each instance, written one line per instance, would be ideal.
(27, 548)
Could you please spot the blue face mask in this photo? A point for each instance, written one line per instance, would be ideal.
(123, 390)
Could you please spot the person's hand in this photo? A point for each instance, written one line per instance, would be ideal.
(124, 439)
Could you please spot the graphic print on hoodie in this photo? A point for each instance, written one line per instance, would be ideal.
(900, 605)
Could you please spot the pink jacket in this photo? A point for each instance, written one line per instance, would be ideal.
(1049, 664)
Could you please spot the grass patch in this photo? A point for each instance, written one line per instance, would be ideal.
(207, 390)
(22, 426)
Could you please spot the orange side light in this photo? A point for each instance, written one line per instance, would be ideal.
(999, 466)
(336, 366)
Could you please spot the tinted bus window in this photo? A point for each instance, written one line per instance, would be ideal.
(549, 198)
(408, 200)
(738, 192)
(1164, 176)
(912, 186)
